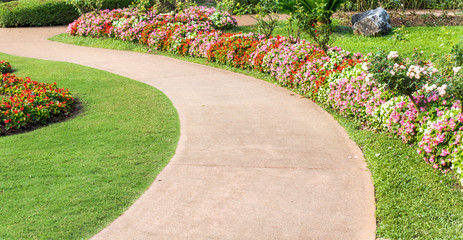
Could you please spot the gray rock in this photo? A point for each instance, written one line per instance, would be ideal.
(374, 22)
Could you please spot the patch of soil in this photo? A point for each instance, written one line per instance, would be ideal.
(76, 110)
(413, 18)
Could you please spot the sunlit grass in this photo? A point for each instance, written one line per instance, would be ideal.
(70, 179)
(431, 40)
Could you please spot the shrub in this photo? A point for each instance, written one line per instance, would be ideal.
(363, 5)
(165, 6)
(313, 17)
(85, 6)
(44, 13)
(115, 4)
(5, 67)
(142, 5)
(36, 13)
(404, 76)
(226, 6)
(266, 15)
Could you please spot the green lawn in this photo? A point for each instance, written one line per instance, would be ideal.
(413, 201)
(428, 39)
(70, 179)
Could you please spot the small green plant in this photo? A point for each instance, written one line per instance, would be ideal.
(312, 17)
(314, 23)
(294, 27)
(182, 5)
(266, 16)
(321, 34)
(399, 35)
(226, 5)
(5, 67)
(85, 6)
(142, 5)
(323, 9)
(165, 6)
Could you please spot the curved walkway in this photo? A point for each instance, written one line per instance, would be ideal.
(254, 161)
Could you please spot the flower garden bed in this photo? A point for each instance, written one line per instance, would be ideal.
(430, 118)
(26, 103)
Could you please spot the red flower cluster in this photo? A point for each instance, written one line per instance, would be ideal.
(26, 102)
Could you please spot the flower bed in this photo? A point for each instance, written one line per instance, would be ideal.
(25, 102)
(5, 67)
(350, 83)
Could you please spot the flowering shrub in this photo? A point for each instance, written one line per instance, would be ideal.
(129, 24)
(24, 102)
(402, 75)
(5, 67)
(406, 97)
(430, 116)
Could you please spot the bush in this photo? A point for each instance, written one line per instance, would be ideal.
(85, 6)
(5, 67)
(114, 4)
(36, 13)
(45, 13)
(363, 5)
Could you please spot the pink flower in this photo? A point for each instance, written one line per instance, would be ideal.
(427, 149)
(444, 152)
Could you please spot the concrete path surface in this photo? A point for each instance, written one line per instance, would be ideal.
(254, 161)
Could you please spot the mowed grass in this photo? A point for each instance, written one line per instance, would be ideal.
(413, 201)
(107, 43)
(433, 41)
(70, 179)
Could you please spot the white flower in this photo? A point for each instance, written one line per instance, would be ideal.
(368, 77)
(365, 66)
(392, 72)
(456, 70)
(441, 89)
(393, 54)
(429, 88)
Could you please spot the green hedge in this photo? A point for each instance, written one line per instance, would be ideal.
(363, 5)
(44, 12)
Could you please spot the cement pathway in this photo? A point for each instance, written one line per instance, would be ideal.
(254, 161)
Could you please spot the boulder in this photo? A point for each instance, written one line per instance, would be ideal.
(374, 22)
